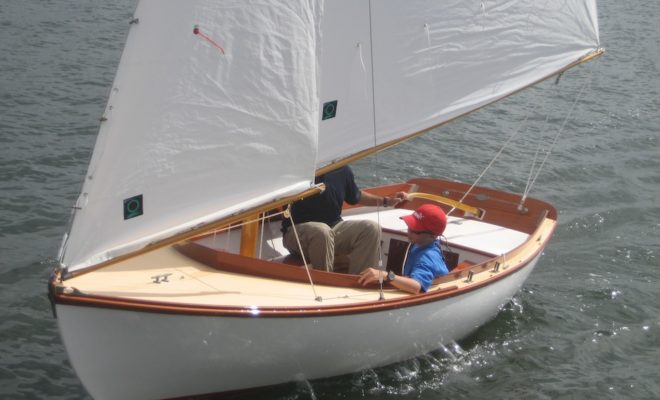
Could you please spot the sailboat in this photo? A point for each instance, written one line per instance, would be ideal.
(172, 278)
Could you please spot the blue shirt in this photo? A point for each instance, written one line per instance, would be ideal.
(424, 264)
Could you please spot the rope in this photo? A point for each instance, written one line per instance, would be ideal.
(287, 214)
(261, 237)
(554, 142)
(233, 226)
(538, 151)
(381, 295)
(530, 180)
(513, 135)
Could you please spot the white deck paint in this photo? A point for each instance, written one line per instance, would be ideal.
(478, 235)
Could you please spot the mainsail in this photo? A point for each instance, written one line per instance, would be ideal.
(222, 105)
(213, 110)
(396, 68)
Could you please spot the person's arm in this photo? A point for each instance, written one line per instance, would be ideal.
(369, 199)
(400, 282)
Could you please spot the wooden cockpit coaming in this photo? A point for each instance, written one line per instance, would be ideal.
(502, 211)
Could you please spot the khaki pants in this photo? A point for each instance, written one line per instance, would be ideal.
(360, 240)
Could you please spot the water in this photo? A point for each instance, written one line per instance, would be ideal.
(587, 323)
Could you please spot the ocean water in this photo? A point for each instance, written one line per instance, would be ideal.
(586, 324)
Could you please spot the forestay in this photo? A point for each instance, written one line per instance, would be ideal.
(212, 102)
(398, 67)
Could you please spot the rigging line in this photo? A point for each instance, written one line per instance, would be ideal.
(302, 254)
(349, 296)
(262, 218)
(193, 277)
(529, 177)
(536, 155)
(511, 137)
(261, 238)
(528, 185)
(405, 258)
(373, 116)
(373, 85)
(554, 142)
(228, 238)
(238, 225)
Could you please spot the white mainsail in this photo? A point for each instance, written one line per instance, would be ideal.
(212, 103)
(399, 67)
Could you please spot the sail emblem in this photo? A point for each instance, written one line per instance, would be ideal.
(329, 109)
(133, 207)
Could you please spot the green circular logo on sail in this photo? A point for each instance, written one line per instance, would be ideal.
(133, 207)
(329, 109)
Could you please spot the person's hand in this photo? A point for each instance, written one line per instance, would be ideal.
(398, 198)
(371, 275)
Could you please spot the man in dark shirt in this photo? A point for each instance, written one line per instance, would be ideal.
(323, 233)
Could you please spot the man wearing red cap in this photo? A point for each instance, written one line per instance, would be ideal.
(424, 261)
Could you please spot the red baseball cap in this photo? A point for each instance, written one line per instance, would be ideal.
(427, 218)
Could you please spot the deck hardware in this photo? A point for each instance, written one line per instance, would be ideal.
(70, 290)
(497, 266)
(469, 277)
(160, 278)
(504, 266)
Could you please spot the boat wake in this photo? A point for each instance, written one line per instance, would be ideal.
(471, 359)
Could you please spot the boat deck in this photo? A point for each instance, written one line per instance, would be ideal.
(473, 234)
(167, 276)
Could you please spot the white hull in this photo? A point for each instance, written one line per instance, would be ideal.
(126, 354)
(199, 318)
